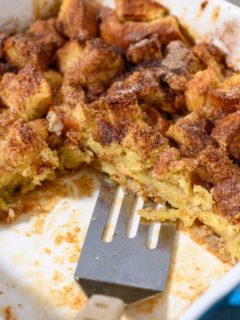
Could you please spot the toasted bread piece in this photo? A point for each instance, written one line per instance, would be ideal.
(68, 56)
(197, 92)
(26, 159)
(54, 79)
(214, 166)
(227, 134)
(227, 94)
(146, 50)
(26, 94)
(145, 83)
(123, 34)
(79, 18)
(208, 53)
(167, 159)
(190, 134)
(227, 198)
(36, 46)
(71, 93)
(179, 65)
(139, 10)
(93, 65)
(212, 96)
(156, 120)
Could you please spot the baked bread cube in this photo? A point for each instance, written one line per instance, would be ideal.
(145, 50)
(27, 94)
(165, 160)
(227, 197)
(26, 160)
(197, 89)
(208, 53)
(227, 94)
(70, 93)
(145, 83)
(214, 166)
(227, 134)
(36, 46)
(123, 34)
(68, 57)
(190, 134)
(156, 120)
(93, 65)
(79, 18)
(178, 65)
(212, 96)
(139, 10)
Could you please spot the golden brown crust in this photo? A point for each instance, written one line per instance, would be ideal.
(120, 119)
(156, 120)
(70, 93)
(93, 65)
(146, 50)
(105, 133)
(26, 158)
(79, 18)
(207, 53)
(169, 161)
(121, 106)
(197, 90)
(214, 166)
(26, 94)
(178, 65)
(212, 96)
(68, 56)
(146, 84)
(165, 160)
(227, 198)
(227, 95)
(190, 134)
(37, 45)
(227, 134)
(123, 34)
(139, 10)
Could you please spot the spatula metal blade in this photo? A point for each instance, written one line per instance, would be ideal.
(124, 268)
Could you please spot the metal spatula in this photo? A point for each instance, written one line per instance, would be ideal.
(119, 266)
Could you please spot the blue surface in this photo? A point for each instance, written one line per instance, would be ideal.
(228, 308)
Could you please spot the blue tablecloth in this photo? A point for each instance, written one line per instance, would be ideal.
(228, 308)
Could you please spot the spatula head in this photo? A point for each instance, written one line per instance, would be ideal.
(124, 268)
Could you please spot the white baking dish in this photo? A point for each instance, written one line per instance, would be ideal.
(38, 253)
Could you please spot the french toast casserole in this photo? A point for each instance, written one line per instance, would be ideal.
(128, 92)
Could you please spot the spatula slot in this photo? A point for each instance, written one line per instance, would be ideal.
(112, 218)
(134, 219)
(153, 235)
